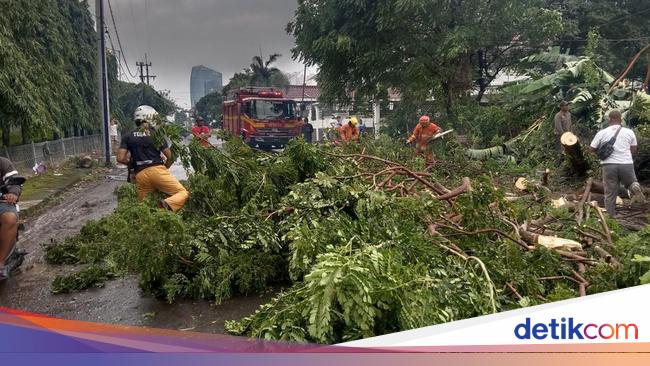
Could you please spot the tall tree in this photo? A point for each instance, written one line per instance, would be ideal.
(622, 25)
(47, 67)
(424, 48)
(263, 74)
(209, 107)
(239, 80)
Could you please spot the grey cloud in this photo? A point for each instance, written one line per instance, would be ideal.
(224, 35)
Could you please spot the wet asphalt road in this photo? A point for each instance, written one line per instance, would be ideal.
(120, 301)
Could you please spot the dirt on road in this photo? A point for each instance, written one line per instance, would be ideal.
(120, 301)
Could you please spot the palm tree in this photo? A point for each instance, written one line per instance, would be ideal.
(265, 75)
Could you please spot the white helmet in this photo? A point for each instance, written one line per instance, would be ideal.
(144, 113)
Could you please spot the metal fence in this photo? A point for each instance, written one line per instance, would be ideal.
(51, 153)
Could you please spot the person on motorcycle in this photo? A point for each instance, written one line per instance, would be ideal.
(8, 216)
(151, 172)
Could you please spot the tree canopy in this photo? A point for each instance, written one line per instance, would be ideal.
(259, 73)
(420, 47)
(621, 25)
(209, 107)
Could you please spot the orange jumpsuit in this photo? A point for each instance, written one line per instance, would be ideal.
(423, 135)
(349, 133)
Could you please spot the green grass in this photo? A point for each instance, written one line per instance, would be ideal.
(40, 187)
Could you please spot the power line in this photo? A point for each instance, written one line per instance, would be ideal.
(117, 57)
(110, 8)
(110, 40)
(625, 17)
(135, 27)
(609, 39)
(146, 24)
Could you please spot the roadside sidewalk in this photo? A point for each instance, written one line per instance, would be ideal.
(41, 190)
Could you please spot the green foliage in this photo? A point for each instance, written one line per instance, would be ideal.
(416, 47)
(89, 277)
(262, 74)
(47, 72)
(126, 97)
(353, 260)
(209, 107)
(622, 27)
(259, 73)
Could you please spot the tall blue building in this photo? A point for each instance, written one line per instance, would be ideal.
(204, 81)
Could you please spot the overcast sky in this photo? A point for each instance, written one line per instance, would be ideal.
(221, 34)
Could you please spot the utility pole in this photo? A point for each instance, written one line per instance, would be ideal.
(144, 74)
(144, 70)
(141, 66)
(102, 77)
(304, 84)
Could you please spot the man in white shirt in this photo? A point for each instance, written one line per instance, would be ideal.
(619, 166)
(115, 141)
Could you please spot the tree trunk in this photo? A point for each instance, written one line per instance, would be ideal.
(573, 150)
(448, 98)
(482, 84)
(484, 154)
(6, 136)
(24, 134)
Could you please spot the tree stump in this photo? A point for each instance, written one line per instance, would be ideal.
(573, 150)
(85, 162)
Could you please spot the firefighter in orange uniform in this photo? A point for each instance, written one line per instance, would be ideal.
(423, 134)
(350, 132)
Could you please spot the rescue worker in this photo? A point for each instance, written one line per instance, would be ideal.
(151, 172)
(350, 132)
(423, 134)
(201, 132)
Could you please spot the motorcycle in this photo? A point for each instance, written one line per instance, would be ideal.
(16, 257)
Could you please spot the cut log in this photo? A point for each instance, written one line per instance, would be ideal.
(525, 185)
(85, 162)
(485, 154)
(598, 187)
(550, 242)
(600, 199)
(573, 150)
(522, 184)
(562, 203)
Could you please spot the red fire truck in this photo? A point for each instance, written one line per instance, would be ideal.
(262, 117)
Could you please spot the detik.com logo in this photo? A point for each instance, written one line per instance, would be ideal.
(568, 328)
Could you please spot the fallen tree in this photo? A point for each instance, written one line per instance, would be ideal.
(361, 239)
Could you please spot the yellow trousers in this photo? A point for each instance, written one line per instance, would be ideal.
(158, 178)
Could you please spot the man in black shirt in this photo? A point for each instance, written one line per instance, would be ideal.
(307, 130)
(8, 215)
(151, 171)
